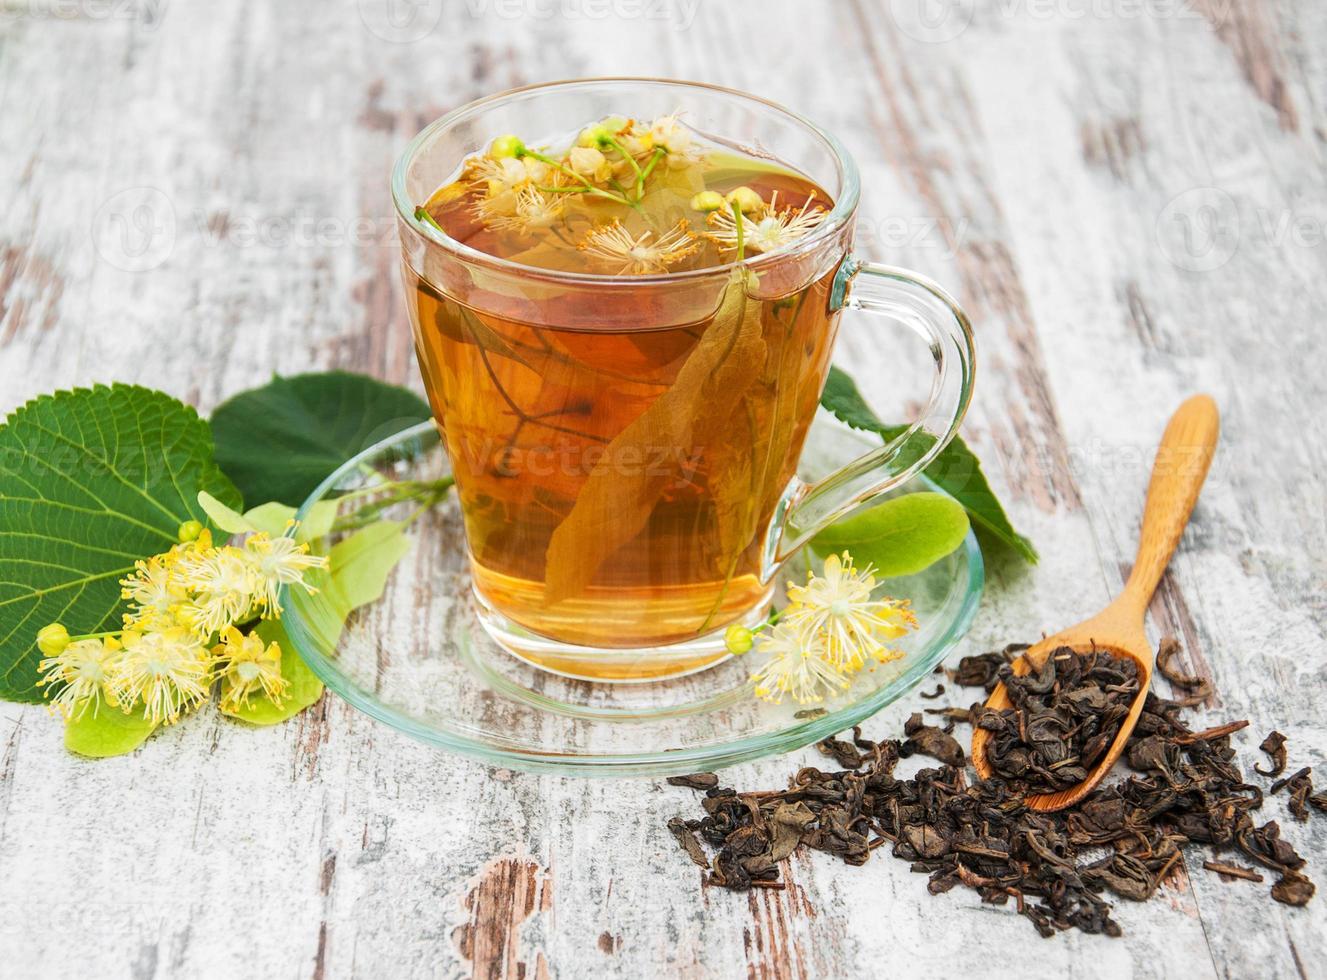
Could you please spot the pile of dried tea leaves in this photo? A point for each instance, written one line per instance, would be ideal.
(1123, 839)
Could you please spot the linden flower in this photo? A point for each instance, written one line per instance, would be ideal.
(837, 606)
(797, 665)
(773, 230)
(279, 561)
(88, 671)
(224, 582)
(644, 253)
(153, 589)
(169, 670)
(507, 175)
(675, 138)
(246, 667)
(532, 208)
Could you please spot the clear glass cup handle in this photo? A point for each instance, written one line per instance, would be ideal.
(920, 305)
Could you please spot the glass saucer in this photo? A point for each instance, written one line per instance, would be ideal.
(419, 660)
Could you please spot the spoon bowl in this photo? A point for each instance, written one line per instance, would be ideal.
(1181, 466)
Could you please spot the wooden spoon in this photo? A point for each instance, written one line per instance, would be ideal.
(1177, 475)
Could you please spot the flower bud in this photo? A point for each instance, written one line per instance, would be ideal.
(589, 162)
(707, 201)
(52, 639)
(737, 639)
(746, 199)
(506, 146)
(189, 531)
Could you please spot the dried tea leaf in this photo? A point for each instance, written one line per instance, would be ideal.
(687, 840)
(616, 500)
(696, 780)
(932, 741)
(1275, 747)
(1293, 889)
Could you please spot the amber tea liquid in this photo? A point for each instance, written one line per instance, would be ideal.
(617, 484)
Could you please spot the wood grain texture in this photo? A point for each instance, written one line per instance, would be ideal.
(1129, 201)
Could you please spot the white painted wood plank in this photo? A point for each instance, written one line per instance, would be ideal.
(1029, 160)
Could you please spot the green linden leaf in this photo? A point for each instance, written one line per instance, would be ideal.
(361, 563)
(91, 480)
(271, 517)
(900, 536)
(956, 470)
(358, 574)
(280, 441)
(109, 732)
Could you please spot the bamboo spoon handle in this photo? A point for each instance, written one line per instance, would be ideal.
(1183, 458)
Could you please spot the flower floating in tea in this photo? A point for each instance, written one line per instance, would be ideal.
(770, 228)
(638, 254)
(178, 601)
(652, 193)
(830, 631)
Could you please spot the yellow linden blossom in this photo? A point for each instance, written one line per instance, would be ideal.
(674, 137)
(831, 629)
(224, 584)
(88, 669)
(279, 561)
(154, 590)
(246, 667)
(837, 606)
(168, 670)
(642, 253)
(773, 229)
(530, 208)
(797, 665)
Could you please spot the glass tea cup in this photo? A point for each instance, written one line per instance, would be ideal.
(625, 447)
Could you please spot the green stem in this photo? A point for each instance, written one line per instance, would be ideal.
(659, 154)
(612, 141)
(95, 636)
(422, 214)
(587, 187)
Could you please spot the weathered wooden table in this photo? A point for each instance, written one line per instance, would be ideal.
(1129, 197)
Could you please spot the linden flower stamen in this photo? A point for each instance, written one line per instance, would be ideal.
(531, 209)
(224, 582)
(642, 253)
(247, 666)
(88, 671)
(797, 665)
(280, 561)
(837, 606)
(153, 589)
(775, 229)
(168, 670)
